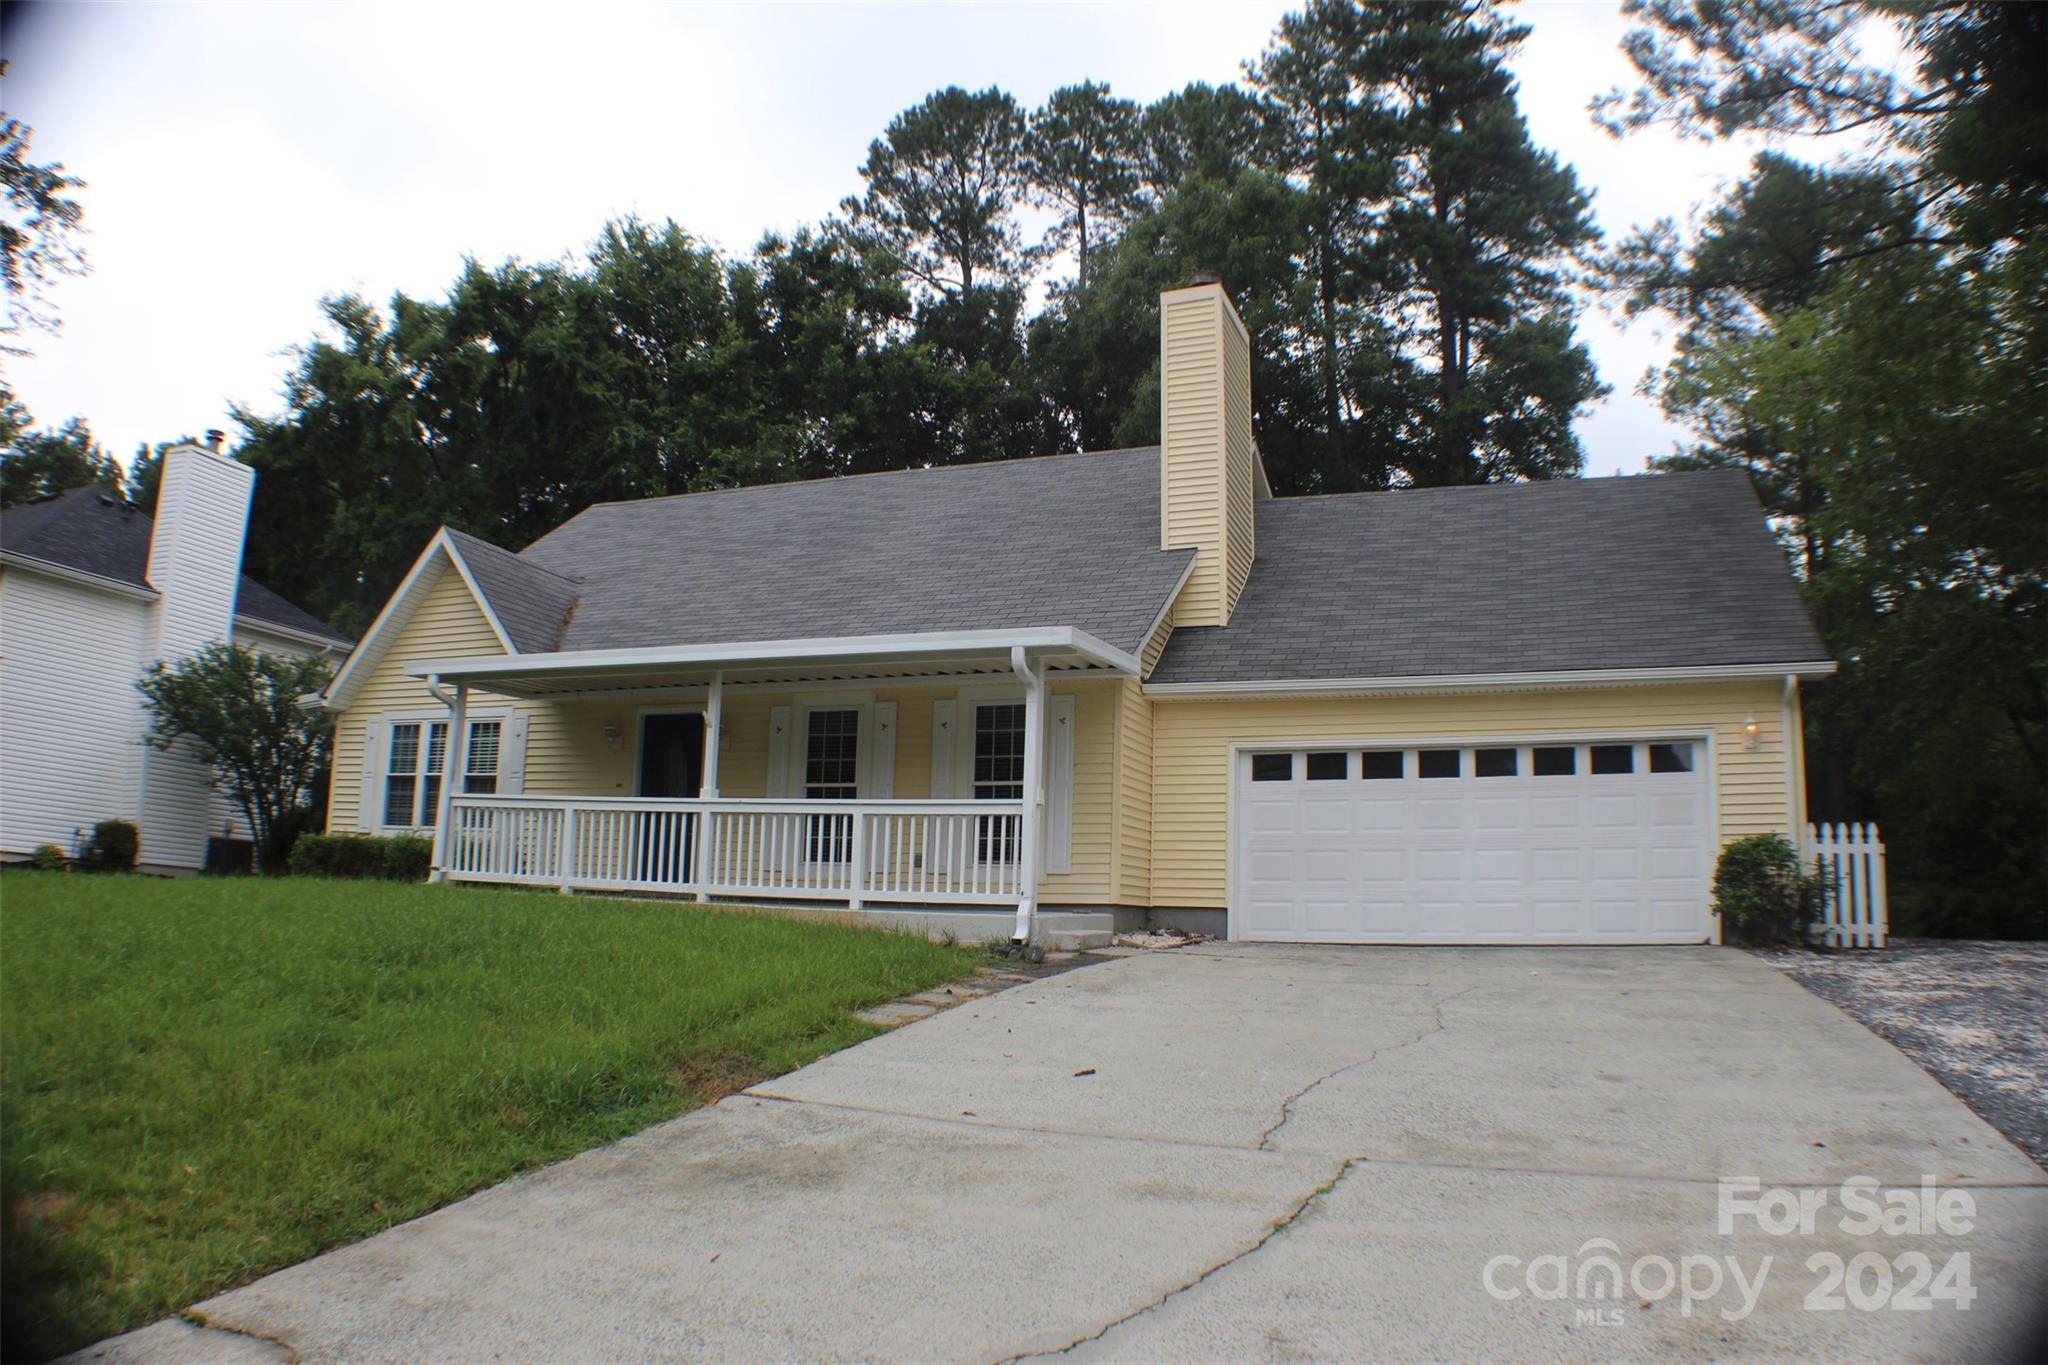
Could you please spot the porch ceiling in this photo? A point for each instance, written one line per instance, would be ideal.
(776, 663)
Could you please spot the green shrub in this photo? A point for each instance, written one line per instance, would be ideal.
(115, 846)
(295, 824)
(48, 858)
(363, 857)
(1763, 895)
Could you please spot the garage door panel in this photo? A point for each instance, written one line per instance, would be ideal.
(1572, 857)
(1270, 816)
(1379, 816)
(1326, 816)
(1439, 815)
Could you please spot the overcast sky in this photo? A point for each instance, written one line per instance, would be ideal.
(243, 160)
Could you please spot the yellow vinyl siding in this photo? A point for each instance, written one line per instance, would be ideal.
(1148, 656)
(1240, 481)
(1133, 797)
(1191, 747)
(446, 623)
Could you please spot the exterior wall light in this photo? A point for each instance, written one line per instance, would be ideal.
(1752, 733)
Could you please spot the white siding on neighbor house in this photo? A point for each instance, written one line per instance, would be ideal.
(70, 718)
(195, 549)
(195, 563)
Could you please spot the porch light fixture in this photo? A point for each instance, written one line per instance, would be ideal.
(1752, 733)
(611, 736)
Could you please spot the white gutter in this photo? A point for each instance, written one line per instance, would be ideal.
(769, 653)
(30, 564)
(296, 636)
(1481, 682)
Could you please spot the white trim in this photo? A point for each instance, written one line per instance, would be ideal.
(640, 715)
(1062, 724)
(803, 706)
(1167, 610)
(423, 716)
(930, 645)
(257, 626)
(1480, 682)
(397, 610)
(1234, 786)
(63, 573)
(476, 590)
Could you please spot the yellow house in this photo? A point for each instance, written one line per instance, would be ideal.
(1045, 697)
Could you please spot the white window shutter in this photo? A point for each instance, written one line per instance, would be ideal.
(512, 756)
(882, 753)
(376, 744)
(778, 751)
(943, 740)
(1059, 786)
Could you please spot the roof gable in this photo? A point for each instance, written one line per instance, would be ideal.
(439, 560)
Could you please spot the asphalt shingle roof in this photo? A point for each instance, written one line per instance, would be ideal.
(532, 603)
(92, 531)
(1065, 540)
(1675, 570)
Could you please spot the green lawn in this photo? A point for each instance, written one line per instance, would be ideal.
(203, 1080)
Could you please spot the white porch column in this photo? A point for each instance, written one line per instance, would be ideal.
(714, 716)
(1031, 841)
(454, 760)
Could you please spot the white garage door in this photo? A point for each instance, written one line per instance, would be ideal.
(1503, 843)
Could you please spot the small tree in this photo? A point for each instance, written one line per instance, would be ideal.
(239, 708)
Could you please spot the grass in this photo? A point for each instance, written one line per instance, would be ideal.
(205, 1080)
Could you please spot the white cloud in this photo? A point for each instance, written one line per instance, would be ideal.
(246, 160)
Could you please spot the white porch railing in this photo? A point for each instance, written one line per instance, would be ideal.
(921, 852)
(1853, 861)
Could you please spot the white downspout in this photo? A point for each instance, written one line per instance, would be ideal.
(454, 760)
(1030, 837)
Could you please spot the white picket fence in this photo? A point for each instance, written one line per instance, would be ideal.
(1853, 859)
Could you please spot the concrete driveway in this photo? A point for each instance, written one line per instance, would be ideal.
(1232, 1152)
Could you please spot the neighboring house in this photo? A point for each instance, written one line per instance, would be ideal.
(91, 593)
(1523, 713)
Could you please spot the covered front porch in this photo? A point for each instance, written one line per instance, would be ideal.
(807, 733)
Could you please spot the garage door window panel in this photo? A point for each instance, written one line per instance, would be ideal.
(1611, 760)
(1381, 765)
(1328, 767)
(1493, 762)
(1671, 758)
(1554, 760)
(1272, 767)
(1440, 763)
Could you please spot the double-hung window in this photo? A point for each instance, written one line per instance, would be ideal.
(998, 776)
(831, 773)
(418, 757)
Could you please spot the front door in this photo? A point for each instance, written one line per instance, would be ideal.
(672, 765)
(671, 754)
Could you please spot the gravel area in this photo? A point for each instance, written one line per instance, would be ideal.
(1975, 1014)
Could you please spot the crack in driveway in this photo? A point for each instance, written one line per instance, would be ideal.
(1280, 1224)
(1274, 1229)
(1436, 1010)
